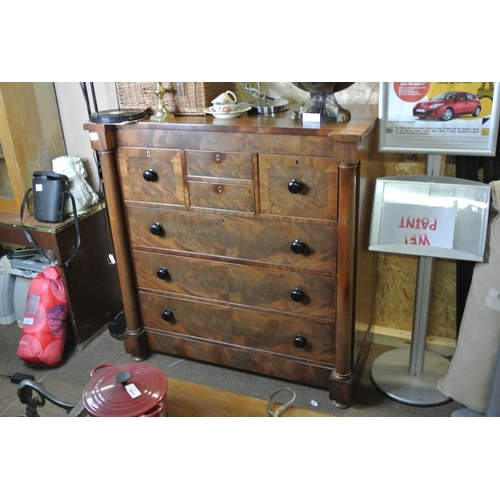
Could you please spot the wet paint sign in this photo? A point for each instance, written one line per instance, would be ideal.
(418, 225)
(430, 217)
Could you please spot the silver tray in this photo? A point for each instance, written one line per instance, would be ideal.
(271, 107)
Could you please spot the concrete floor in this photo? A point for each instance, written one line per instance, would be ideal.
(68, 380)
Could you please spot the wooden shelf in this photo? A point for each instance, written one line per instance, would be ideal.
(30, 223)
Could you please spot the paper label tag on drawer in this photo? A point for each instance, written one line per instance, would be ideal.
(133, 391)
(94, 136)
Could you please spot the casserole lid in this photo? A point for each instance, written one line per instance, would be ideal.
(128, 390)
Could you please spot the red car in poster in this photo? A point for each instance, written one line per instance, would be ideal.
(447, 105)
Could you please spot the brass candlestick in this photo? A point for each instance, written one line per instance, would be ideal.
(162, 114)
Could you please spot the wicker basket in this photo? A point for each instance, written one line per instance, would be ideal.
(181, 98)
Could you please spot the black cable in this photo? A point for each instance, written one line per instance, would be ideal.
(97, 159)
(96, 109)
(18, 377)
(83, 86)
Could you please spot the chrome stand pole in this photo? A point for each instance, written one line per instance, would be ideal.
(425, 273)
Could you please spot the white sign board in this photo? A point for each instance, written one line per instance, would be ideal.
(430, 217)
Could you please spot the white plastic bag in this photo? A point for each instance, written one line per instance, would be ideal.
(470, 375)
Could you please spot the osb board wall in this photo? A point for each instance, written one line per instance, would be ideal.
(397, 274)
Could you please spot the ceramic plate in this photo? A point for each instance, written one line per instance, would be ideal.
(239, 109)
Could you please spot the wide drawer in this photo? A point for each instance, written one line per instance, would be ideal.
(237, 327)
(286, 291)
(298, 186)
(151, 175)
(219, 164)
(307, 246)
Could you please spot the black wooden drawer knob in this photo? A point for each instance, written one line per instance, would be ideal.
(299, 341)
(162, 273)
(298, 246)
(167, 315)
(295, 186)
(297, 295)
(156, 229)
(150, 175)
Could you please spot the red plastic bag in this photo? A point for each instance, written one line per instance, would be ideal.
(45, 319)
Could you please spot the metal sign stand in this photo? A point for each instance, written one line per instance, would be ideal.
(410, 376)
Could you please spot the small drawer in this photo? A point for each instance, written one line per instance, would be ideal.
(216, 164)
(231, 196)
(298, 186)
(151, 175)
(264, 332)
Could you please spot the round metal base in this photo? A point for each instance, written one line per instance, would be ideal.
(271, 107)
(390, 375)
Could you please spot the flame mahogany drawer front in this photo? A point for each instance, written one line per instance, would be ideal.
(291, 292)
(220, 181)
(283, 335)
(298, 186)
(244, 242)
(222, 195)
(151, 175)
(290, 244)
(219, 164)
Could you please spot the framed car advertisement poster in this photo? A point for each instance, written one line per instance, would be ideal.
(454, 118)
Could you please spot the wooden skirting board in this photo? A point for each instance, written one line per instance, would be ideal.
(401, 338)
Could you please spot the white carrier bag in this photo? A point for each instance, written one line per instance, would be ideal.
(471, 371)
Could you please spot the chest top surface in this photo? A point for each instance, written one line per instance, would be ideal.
(363, 120)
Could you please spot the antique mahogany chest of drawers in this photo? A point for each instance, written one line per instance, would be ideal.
(243, 242)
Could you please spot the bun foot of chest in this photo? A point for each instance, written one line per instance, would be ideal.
(342, 390)
(136, 344)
